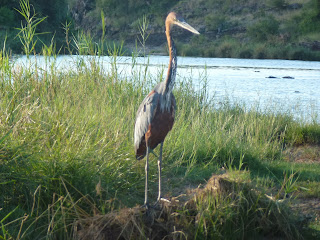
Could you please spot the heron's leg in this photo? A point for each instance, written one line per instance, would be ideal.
(146, 185)
(159, 171)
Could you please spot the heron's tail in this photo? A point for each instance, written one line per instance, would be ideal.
(140, 150)
(140, 157)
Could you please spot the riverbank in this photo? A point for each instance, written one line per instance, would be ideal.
(233, 48)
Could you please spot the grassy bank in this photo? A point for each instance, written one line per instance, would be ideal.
(66, 150)
(233, 48)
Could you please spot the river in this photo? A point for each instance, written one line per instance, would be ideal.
(276, 85)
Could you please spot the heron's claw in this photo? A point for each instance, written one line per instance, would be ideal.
(146, 206)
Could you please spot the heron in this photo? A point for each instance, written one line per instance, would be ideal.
(156, 113)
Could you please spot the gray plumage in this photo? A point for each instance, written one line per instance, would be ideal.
(156, 113)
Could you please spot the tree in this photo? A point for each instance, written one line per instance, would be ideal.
(264, 28)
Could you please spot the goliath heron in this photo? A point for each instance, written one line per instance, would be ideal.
(155, 115)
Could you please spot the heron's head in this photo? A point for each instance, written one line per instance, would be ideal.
(175, 19)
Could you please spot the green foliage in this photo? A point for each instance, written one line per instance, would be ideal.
(243, 214)
(84, 44)
(52, 16)
(123, 13)
(246, 53)
(143, 28)
(6, 16)
(306, 134)
(309, 23)
(226, 48)
(264, 28)
(66, 28)
(187, 49)
(305, 22)
(215, 22)
(27, 32)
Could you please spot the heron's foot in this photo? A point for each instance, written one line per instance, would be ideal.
(146, 206)
(148, 214)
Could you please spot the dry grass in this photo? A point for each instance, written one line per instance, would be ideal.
(303, 154)
(188, 217)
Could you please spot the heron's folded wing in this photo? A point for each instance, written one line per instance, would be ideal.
(144, 117)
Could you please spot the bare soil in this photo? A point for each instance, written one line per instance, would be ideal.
(309, 208)
(303, 154)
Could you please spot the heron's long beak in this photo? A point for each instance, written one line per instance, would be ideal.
(185, 25)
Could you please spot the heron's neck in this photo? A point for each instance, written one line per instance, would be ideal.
(171, 75)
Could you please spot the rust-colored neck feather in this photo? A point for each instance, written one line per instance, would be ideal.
(171, 75)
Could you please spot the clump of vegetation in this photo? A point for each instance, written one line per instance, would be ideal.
(216, 22)
(228, 207)
(264, 28)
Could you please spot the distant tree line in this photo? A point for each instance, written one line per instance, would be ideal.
(230, 28)
(56, 12)
(81, 15)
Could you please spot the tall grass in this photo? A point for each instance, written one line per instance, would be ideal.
(66, 145)
(27, 32)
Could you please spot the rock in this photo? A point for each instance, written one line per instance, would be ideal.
(288, 77)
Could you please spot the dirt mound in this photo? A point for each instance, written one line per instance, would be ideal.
(158, 222)
(182, 217)
(129, 223)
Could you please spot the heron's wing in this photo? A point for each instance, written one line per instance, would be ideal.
(144, 117)
(174, 105)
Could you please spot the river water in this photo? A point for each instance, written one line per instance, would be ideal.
(268, 85)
